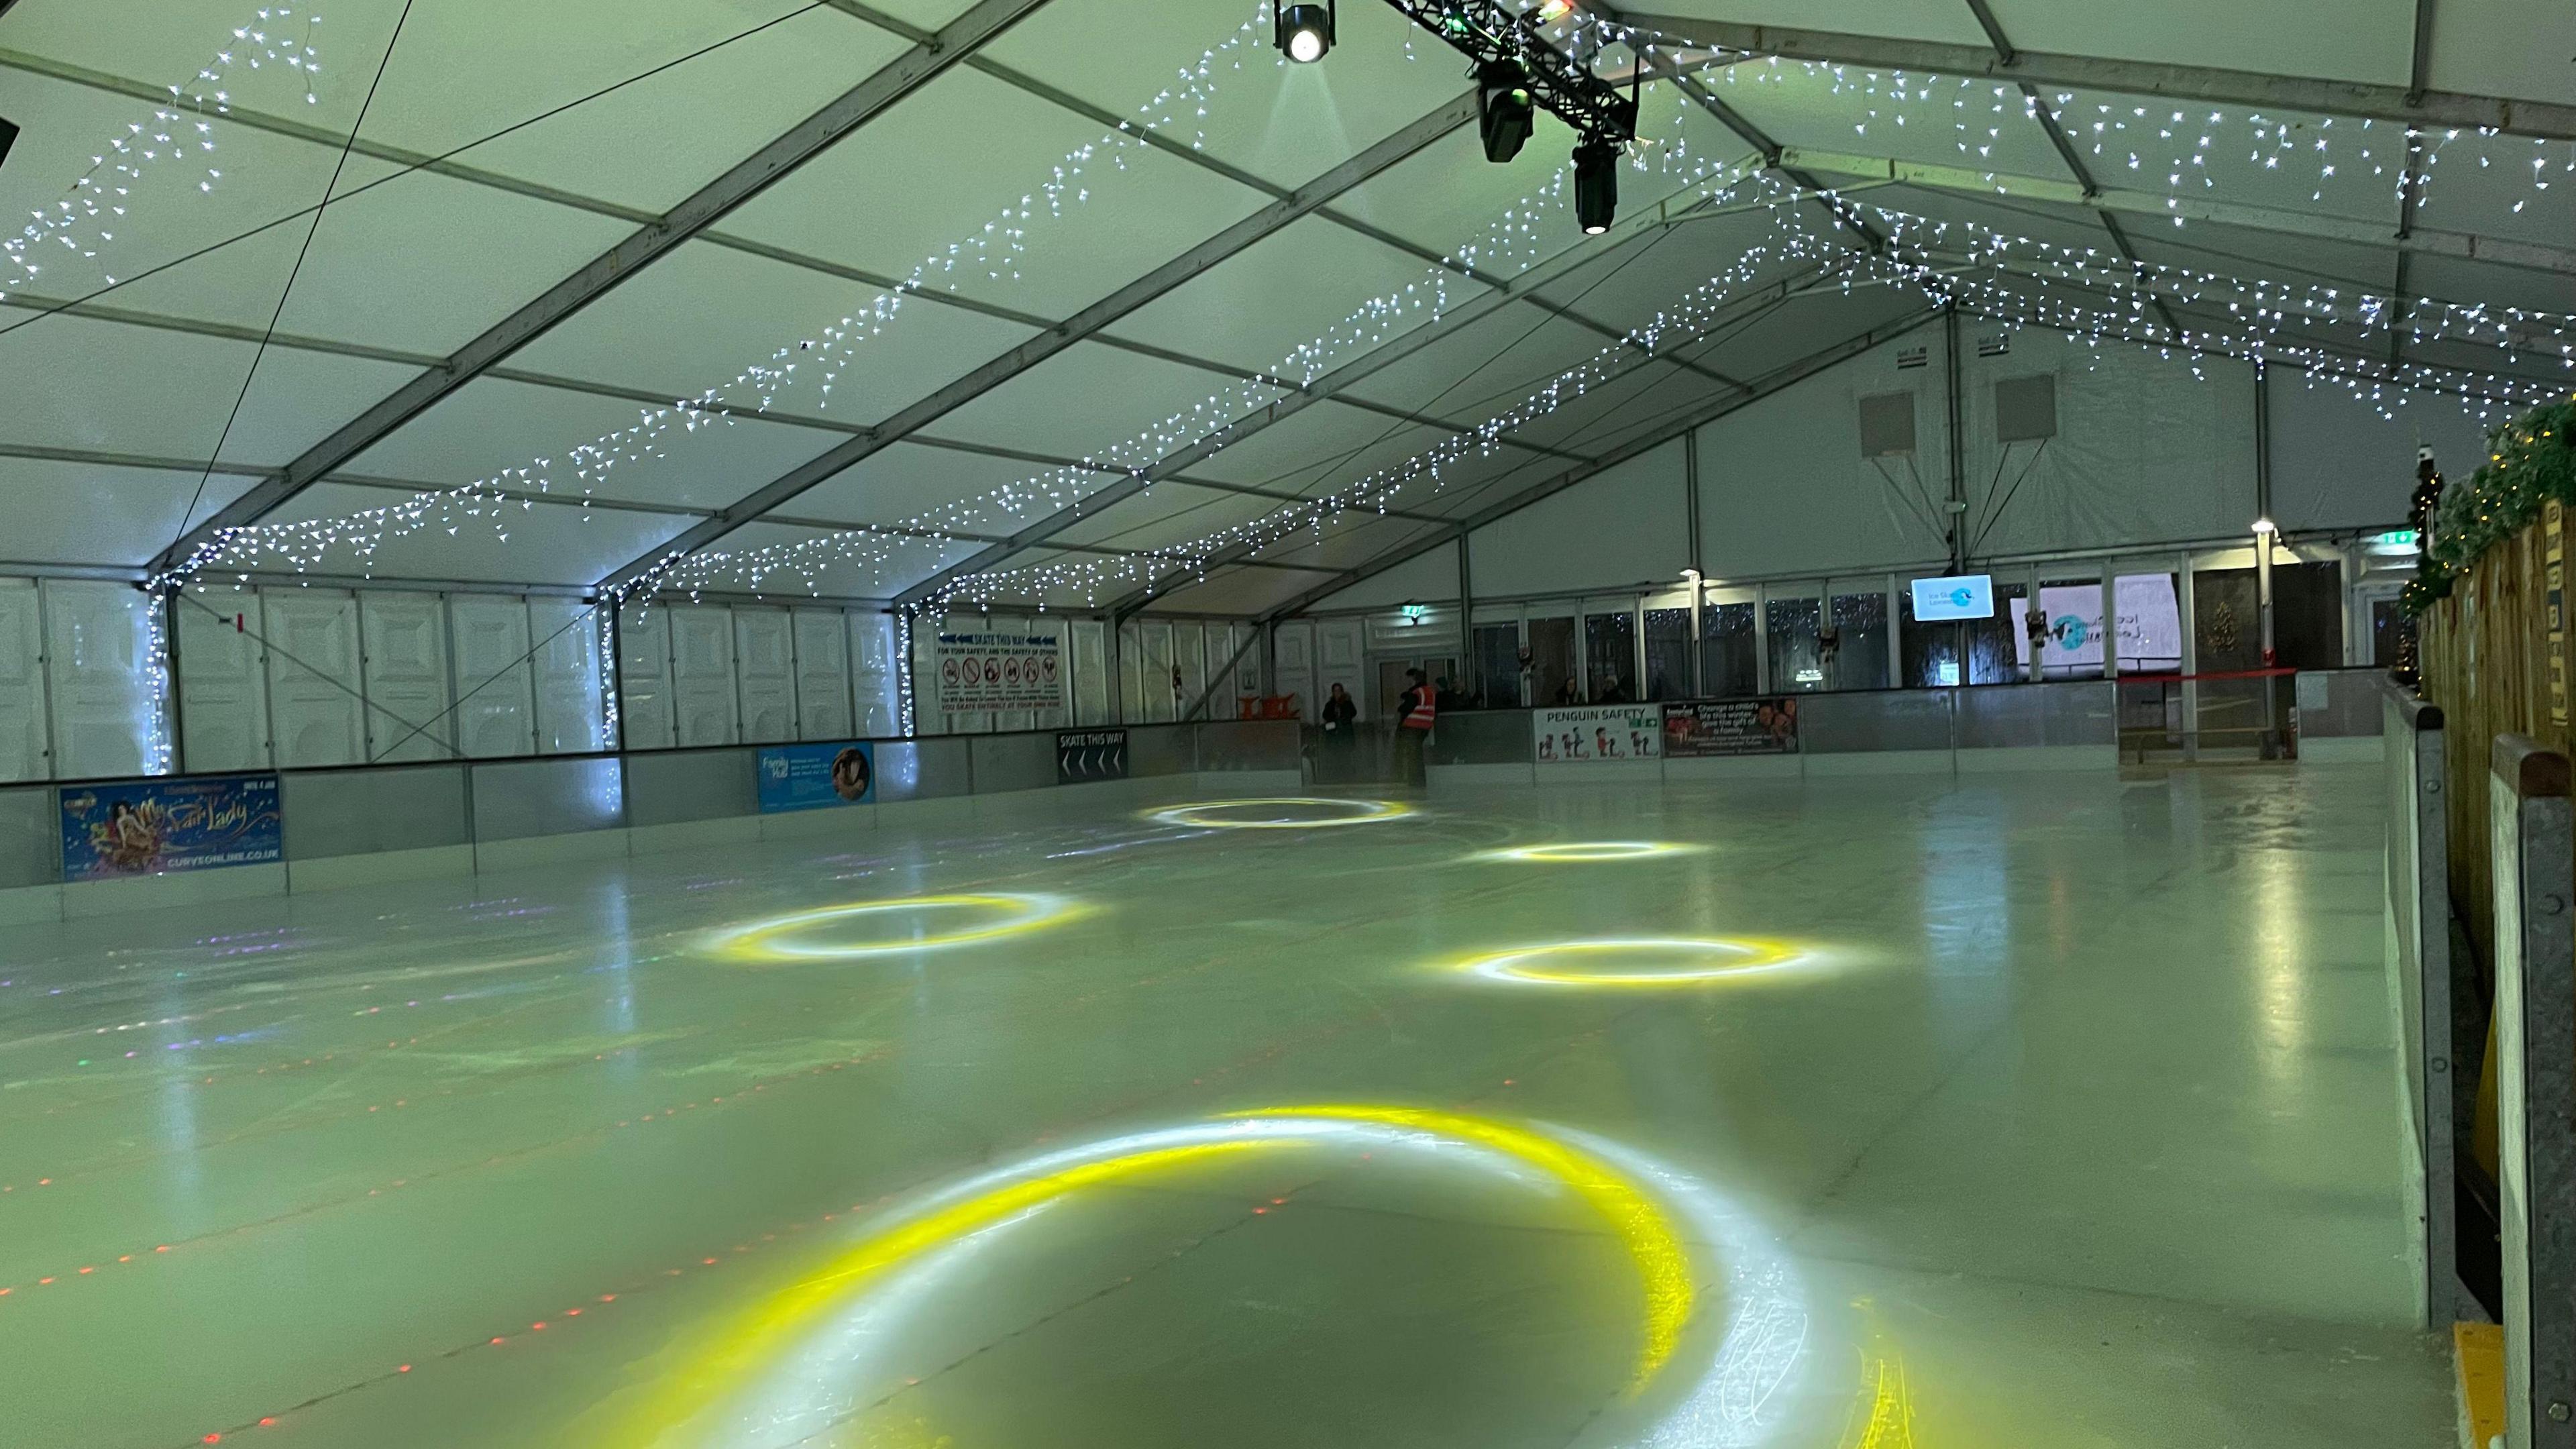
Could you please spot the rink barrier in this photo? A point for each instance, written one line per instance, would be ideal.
(2416, 915)
(2534, 851)
(373, 824)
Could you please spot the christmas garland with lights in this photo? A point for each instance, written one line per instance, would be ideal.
(2530, 461)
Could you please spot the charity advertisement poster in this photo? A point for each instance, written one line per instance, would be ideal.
(1707, 728)
(150, 827)
(1596, 733)
(2150, 623)
(1000, 671)
(810, 777)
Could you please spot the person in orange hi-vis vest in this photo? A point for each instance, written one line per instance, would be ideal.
(1414, 713)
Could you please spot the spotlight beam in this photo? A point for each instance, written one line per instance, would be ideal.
(1488, 34)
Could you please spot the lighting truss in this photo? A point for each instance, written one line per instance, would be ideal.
(1487, 33)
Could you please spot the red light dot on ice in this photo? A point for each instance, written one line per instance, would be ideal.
(539, 1327)
(214, 1438)
(268, 1423)
(572, 1313)
(496, 1339)
(607, 1297)
(406, 1368)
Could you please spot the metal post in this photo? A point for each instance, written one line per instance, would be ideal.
(2535, 1026)
(1957, 520)
(1470, 668)
(2419, 920)
(1697, 572)
(168, 604)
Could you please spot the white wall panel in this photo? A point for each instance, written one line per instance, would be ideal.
(1784, 488)
(1189, 656)
(2336, 463)
(1295, 642)
(496, 711)
(647, 715)
(223, 682)
(1625, 526)
(1131, 672)
(571, 716)
(702, 687)
(104, 684)
(874, 679)
(1156, 680)
(317, 715)
(822, 675)
(1088, 649)
(405, 639)
(1431, 578)
(1339, 659)
(25, 752)
(764, 656)
(2149, 449)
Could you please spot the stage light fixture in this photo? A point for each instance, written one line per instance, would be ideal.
(1505, 109)
(1304, 32)
(1596, 184)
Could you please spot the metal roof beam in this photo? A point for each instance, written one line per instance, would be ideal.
(1769, 383)
(1239, 553)
(853, 109)
(1384, 355)
(1126, 300)
(2531, 256)
(2192, 83)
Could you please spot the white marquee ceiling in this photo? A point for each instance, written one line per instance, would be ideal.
(1255, 229)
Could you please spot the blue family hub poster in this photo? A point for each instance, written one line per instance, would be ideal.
(809, 777)
(149, 827)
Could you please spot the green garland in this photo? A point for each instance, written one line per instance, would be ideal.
(2529, 461)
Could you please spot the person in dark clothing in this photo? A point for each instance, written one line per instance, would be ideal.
(1566, 693)
(1341, 735)
(1447, 694)
(1612, 692)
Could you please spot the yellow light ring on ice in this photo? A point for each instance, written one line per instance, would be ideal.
(1208, 814)
(774, 939)
(1728, 957)
(714, 1380)
(1582, 852)
(1663, 1267)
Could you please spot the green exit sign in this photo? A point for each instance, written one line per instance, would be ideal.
(2399, 538)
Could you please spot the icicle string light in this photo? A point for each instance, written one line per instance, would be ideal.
(86, 218)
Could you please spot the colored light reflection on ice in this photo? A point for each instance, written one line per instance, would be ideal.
(1578, 852)
(820, 935)
(1284, 813)
(1642, 961)
(1713, 1375)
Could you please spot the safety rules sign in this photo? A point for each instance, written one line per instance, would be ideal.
(1001, 671)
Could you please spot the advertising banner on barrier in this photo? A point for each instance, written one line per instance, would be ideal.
(1709, 727)
(1083, 755)
(1593, 734)
(1000, 671)
(149, 827)
(809, 777)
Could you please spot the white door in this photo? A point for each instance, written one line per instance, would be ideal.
(1090, 648)
(1296, 645)
(874, 675)
(316, 715)
(405, 639)
(822, 675)
(24, 751)
(646, 715)
(702, 689)
(223, 682)
(496, 704)
(1131, 672)
(1157, 635)
(571, 716)
(1339, 660)
(104, 684)
(764, 656)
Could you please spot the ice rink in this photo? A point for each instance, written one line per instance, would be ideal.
(2045, 1111)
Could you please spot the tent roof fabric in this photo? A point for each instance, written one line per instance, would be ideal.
(1104, 306)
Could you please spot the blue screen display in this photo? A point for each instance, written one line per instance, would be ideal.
(1968, 596)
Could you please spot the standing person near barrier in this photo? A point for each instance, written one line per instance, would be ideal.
(1414, 714)
(1341, 733)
